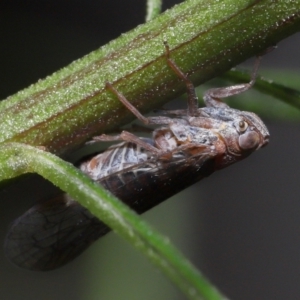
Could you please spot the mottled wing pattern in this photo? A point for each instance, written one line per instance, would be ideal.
(54, 232)
(51, 234)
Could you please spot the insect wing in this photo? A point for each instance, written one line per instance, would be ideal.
(54, 232)
(51, 234)
(146, 185)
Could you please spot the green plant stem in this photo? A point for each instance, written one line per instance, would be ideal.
(206, 38)
(153, 9)
(19, 159)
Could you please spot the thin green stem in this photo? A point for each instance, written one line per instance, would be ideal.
(153, 9)
(19, 159)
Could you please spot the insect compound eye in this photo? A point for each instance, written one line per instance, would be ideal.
(249, 140)
(242, 126)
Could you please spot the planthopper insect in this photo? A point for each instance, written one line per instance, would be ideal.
(186, 146)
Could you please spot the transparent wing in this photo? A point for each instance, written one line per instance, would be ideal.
(51, 234)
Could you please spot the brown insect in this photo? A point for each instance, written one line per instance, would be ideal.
(187, 146)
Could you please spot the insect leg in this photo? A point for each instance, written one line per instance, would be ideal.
(191, 93)
(160, 120)
(212, 97)
(128, 137)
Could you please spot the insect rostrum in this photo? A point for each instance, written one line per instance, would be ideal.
(187, 146)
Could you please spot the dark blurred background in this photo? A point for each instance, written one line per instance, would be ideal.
(240, 227)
